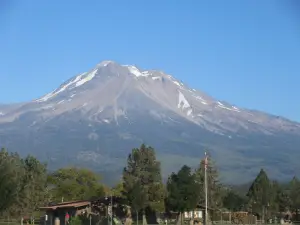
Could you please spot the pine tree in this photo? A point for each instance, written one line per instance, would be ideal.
(183, 190)
(11, 171)
(294, 193)
(260, 193)
(282, 199)
(233, 201)
(215, 189)
(33, 192)
(142, 179)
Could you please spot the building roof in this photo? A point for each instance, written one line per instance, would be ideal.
(200, 206)
(75, 204)
(72, 204)
(107, 200)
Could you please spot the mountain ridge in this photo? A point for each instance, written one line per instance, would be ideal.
(95, 118)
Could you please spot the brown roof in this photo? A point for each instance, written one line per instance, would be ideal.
(73, 204)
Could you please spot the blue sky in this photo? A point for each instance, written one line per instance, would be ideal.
(244, 52)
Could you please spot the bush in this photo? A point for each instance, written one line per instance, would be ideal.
(75, 220)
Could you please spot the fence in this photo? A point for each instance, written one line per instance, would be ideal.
(18, 221)
(226, 221)
(9, 221)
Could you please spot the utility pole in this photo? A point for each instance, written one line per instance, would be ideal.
(205, 184)
(111, 203)
(263, 214)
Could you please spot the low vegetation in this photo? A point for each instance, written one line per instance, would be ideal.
(25, 185)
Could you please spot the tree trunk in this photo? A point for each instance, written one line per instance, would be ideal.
(179, 219)
(209, 221)
(128, 220)
(144, 218)
(192, 219)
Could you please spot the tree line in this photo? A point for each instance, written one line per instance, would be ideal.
(25, 185)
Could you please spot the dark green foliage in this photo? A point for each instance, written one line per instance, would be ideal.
(75, 184)
(117, 190)
(260, 193)
(215, 188)
(282, 200)
(11, 172)
(34, 185)
(75, 221)
(183, 190)
(25, 186)
(142, 181)
(23, 183)
(294, 194)
(138, 200)
(234, 201)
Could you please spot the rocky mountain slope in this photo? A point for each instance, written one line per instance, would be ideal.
(95, 118)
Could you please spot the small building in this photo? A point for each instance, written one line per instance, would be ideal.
(97, 207)
(60, 210)
(198, 213)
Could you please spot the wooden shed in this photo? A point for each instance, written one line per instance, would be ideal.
(60, 210)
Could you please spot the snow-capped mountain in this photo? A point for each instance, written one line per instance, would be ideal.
(116, 105)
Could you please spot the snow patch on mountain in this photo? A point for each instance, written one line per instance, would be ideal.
(184, 104)
(146, 73)
(200, 99)
(60, 102)
(233, 108)
(133, 70)
(156, 78)
(138, 73)
(87, 78)
(76, 82)
(59, 90)
(106, 121)
(177, 83)
(104, 63)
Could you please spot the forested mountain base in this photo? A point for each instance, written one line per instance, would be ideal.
(25, 186)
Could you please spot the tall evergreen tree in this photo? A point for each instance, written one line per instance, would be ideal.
(260, 193)
(183, 191)
(215, 188)
(142, 178)
(11, 172)
(233, 201)
(294, 193)
(34, 185)
(22, 183)
(282, 201)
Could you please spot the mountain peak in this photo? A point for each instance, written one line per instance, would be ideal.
(133, 69)
(97, 115)
(105, 63)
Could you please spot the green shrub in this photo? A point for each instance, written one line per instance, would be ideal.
(75, 220)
